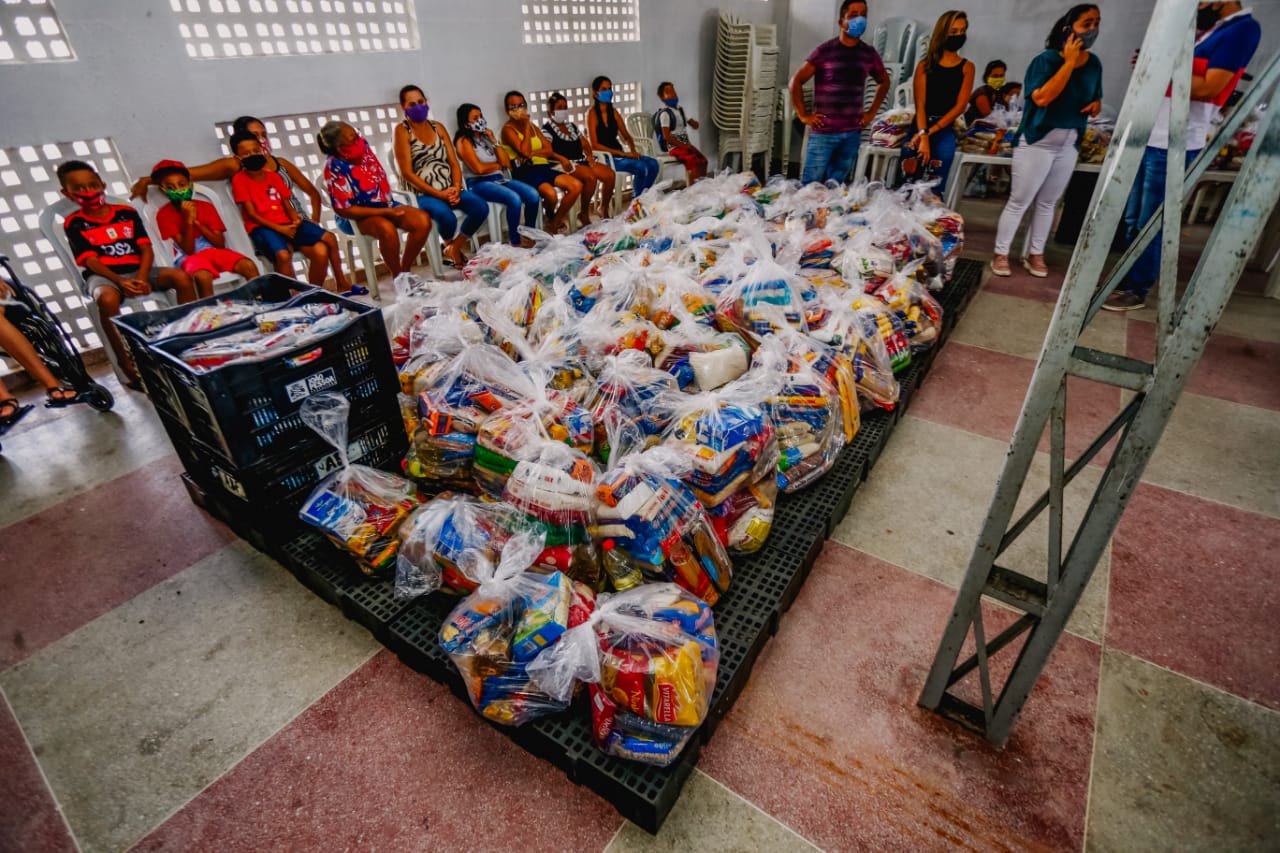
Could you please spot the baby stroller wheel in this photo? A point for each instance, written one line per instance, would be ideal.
(99, 398)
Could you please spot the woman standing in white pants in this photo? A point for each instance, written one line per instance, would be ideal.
(1065, 85)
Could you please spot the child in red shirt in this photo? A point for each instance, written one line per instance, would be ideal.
(111, 245)
(199, 235)
(274, 225)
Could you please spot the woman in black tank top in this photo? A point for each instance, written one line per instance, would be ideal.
(943, 83)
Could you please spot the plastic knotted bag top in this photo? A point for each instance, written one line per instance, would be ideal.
(438, 533)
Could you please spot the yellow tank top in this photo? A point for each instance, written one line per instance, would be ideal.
(535, 144)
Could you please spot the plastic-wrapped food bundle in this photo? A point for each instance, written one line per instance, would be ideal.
(730, 440)
(631, 389)
(992, 134)
(554, 489)
(358, 508)
(489, 264)
(512, 618)
(856, 332)
(892, 127)
(458, 395)
(651, 658)
(1097, 139)
(701, 359)
(506, 437)
(764, 299)
(209, 318)
(437, 534)
(650, 526)
(275, 332)
(554, 356)
(807, 413)
(919, 313)
(862, 261)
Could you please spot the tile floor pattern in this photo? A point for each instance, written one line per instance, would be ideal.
(165, 687)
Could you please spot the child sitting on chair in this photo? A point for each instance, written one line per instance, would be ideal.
(198, 233)
(274, 225)
(671, 127)
(111, 245)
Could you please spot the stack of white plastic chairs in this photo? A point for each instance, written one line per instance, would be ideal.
(901, 42)
(744, 99)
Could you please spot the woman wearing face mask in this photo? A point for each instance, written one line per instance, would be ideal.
(224, 168)
(943, 81)
(429, 168)
(361, 195)
(532, 154)
(569, 141)
(1065, 82)
(488, 169)
(995, 92)
(609, 134)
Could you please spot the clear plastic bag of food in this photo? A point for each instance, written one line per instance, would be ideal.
(360, 509)
(892, 127)
(764, 298)
(630, 388)
(742, 521)
(702, 359)
(649, 525)
(727, 435)
(809, 412)
(493, 260)
(651, 658)
(514, 616)
(856, 334)
(436, 535)
(919, 313)
(457, 395)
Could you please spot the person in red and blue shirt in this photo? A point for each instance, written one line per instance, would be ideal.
(198, 233)
(111, 246)
(1228, 37)
(361, 197)
(839, 69)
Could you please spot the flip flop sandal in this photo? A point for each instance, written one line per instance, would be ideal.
(13, 411)
(52, 402)
(357, 290)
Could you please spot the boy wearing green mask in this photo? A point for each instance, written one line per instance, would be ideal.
(199, 235)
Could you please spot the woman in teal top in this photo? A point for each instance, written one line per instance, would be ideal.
(1064, 86)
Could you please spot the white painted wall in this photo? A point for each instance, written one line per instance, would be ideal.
(1014, 30)
(132, 79)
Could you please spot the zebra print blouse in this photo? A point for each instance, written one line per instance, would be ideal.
(430, 162)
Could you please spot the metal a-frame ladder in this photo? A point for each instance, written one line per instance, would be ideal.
(1183, 326)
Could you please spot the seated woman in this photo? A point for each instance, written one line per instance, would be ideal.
(361, 195)
(13, 342)
(532, 155)
(224, 168)
(488, 169)
(608, 132)
(568, 141)
(995, 92)
(429, 168)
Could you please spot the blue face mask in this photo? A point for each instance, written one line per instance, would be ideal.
(856, 27)
(605, 96)
(671, 102)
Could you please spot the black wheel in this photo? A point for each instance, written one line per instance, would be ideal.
(99, 398)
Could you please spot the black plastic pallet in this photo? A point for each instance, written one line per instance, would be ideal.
(764, 586)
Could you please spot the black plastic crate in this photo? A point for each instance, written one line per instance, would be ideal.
(246, 411)
(268, 495)
(139, 331)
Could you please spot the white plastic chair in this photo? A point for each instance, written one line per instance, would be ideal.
(149, 211)
(51, 227)
(640, 126)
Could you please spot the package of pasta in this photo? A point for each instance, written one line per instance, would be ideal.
(915, 307)
(651, 528)
(457, 396)
(359, 508)
(742, 522)
(436, 535)
(631, 389)
(808, 413)
(514, 616)
(650, 657)
(727, 435)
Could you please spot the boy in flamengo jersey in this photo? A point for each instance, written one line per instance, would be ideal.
(111, 245)
(199, 235)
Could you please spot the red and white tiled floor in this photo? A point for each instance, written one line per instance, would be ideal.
(168, 688)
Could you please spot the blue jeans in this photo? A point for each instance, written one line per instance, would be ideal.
(643, 171)
(942, 150)
(830, 156)
(475, 208)
(512, 195)
(1147, 194)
